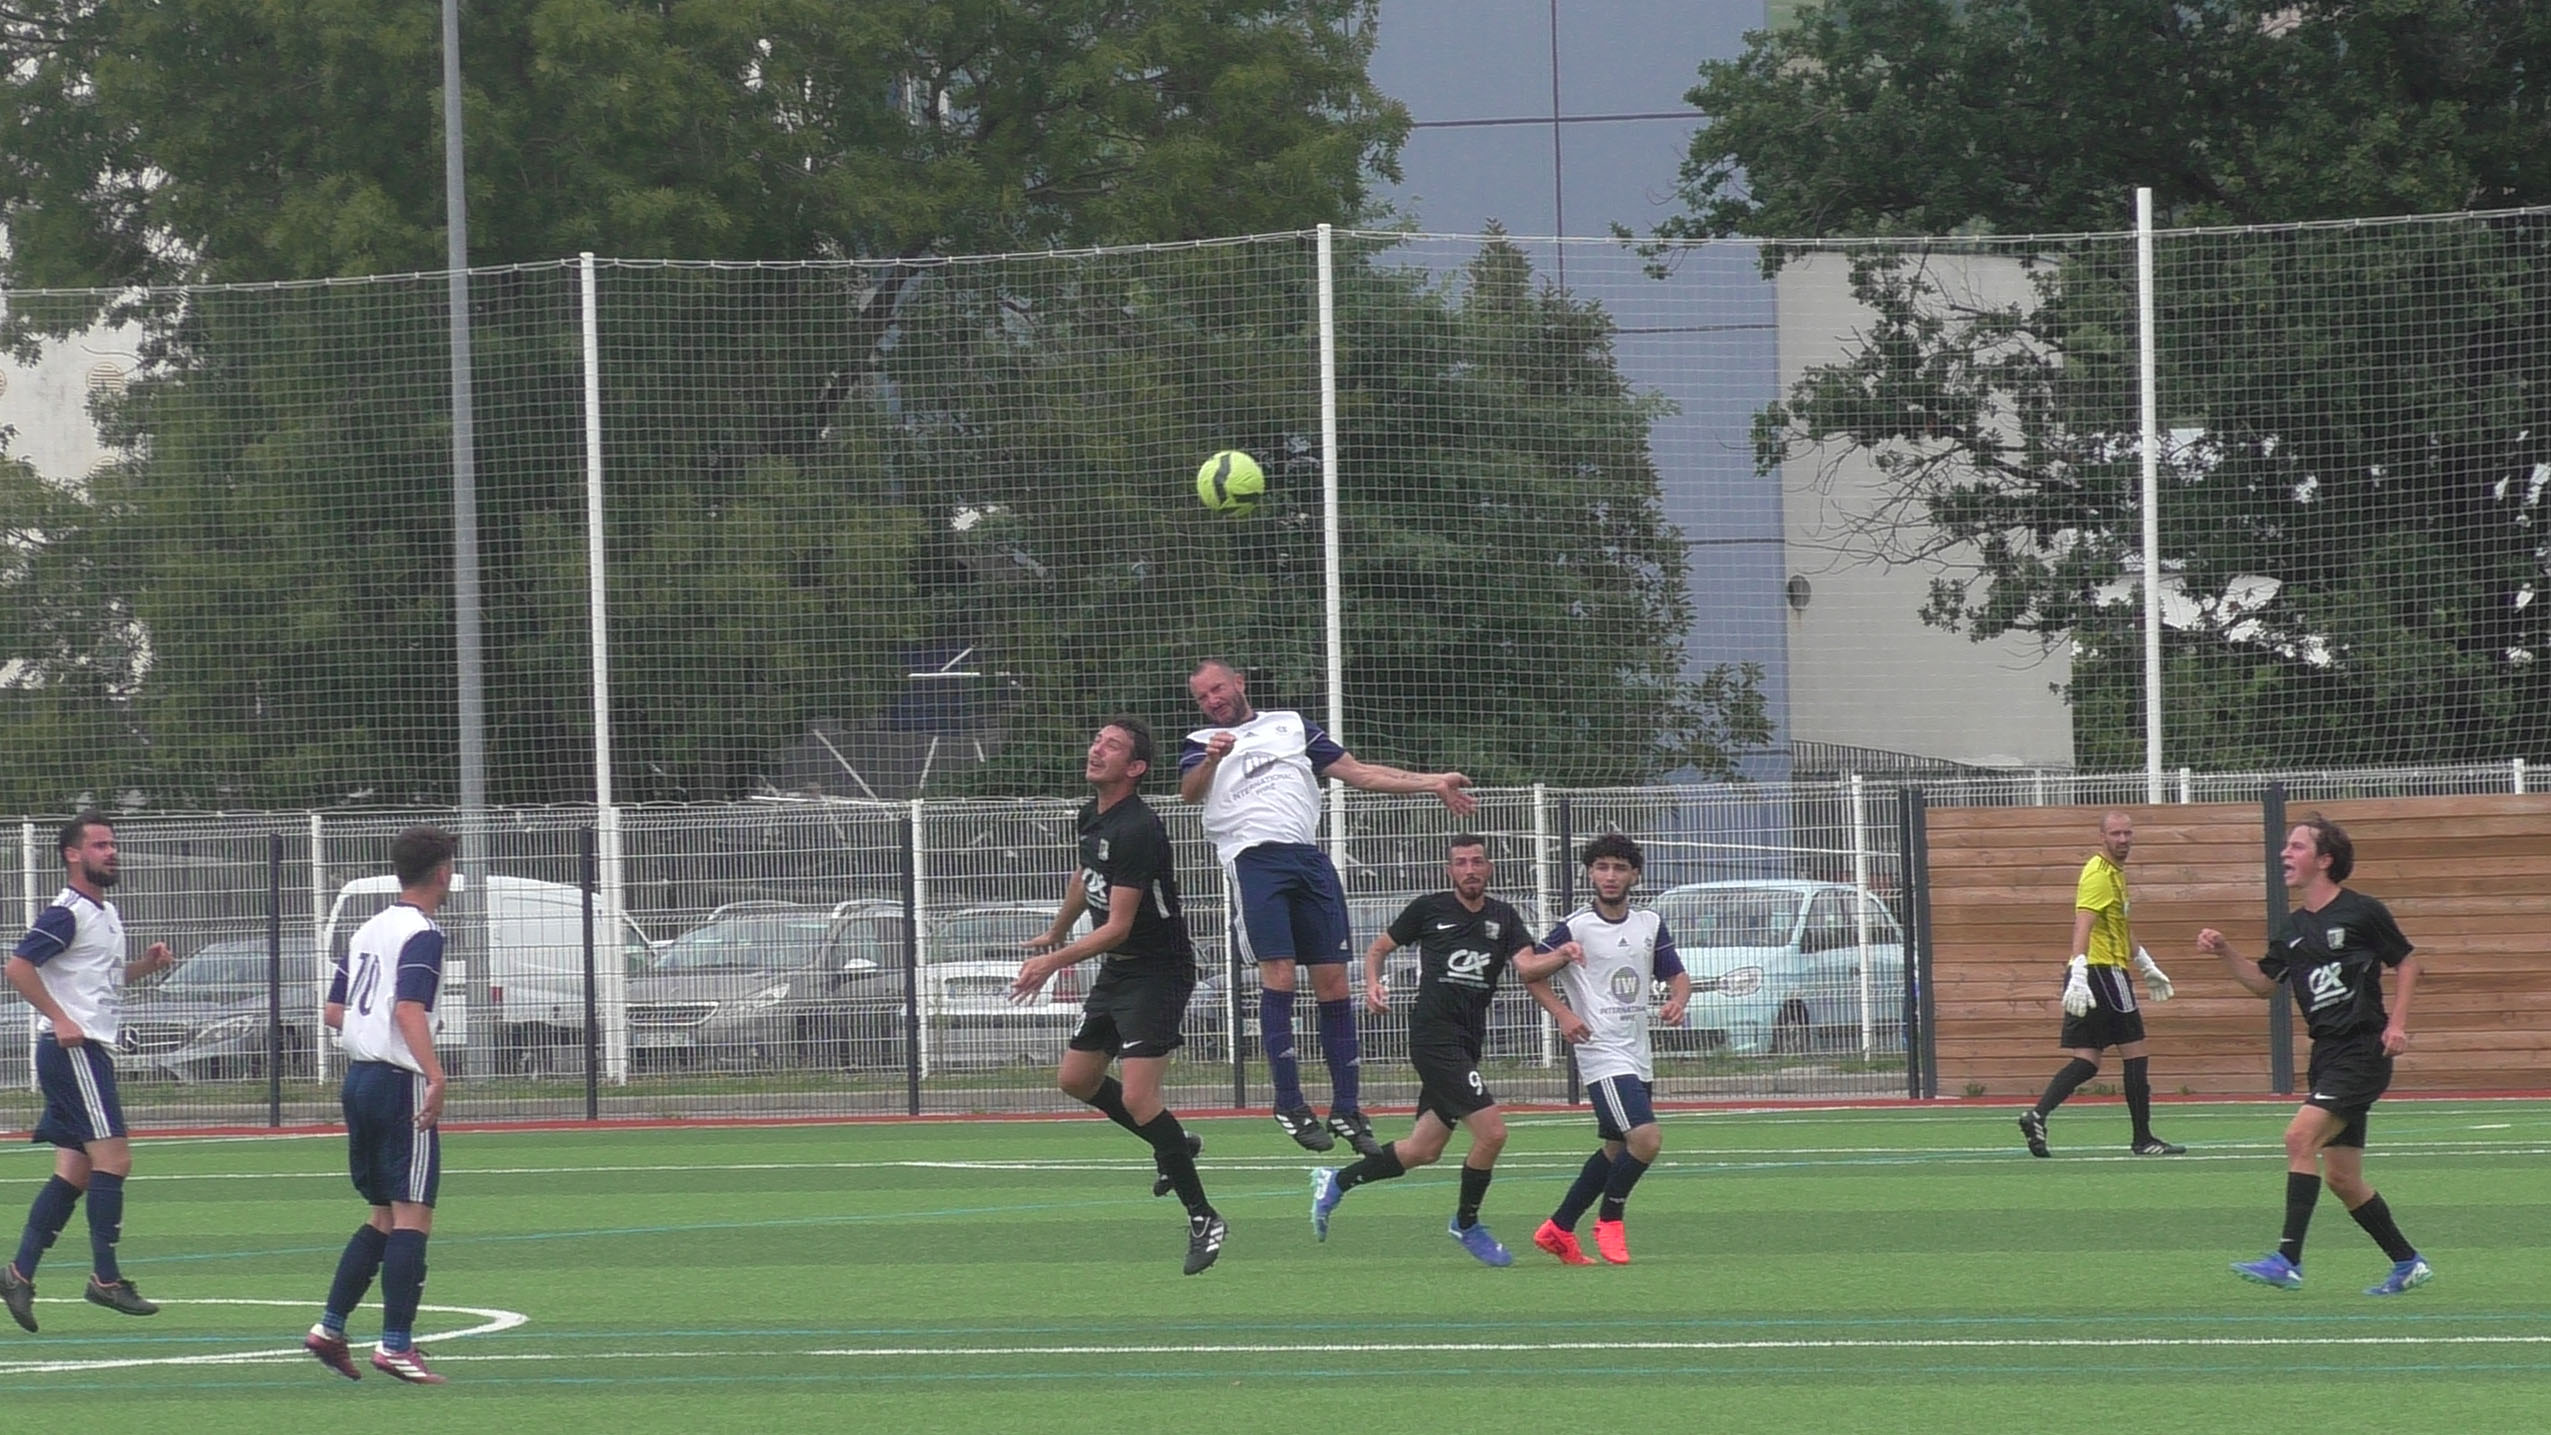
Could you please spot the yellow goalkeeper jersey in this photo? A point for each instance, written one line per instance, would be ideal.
(2102, 892)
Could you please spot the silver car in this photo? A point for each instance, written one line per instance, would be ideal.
(1786, 966)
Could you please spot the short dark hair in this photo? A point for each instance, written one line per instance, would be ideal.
(1137, 732)
(2331, 841)
(418, 850)
(76, 831)
(1460, 840)
(1225, 664)
(1613, 844)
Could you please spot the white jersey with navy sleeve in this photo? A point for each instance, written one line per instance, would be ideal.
(77, 946)
(1268, 786)
(395, 957)
(1611, 988)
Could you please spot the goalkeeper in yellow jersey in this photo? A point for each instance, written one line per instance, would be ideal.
(2099, 997)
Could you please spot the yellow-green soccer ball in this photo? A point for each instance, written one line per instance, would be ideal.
(1231, 483)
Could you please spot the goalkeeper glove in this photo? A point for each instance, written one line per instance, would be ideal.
(2077, 1000)
(2156, 983)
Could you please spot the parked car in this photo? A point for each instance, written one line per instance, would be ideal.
(210, 1017)
(1779, 966)
(767, 985)
(974, 955)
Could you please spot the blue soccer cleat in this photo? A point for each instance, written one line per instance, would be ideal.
(1476, 1240)
(2406, 1275)
(2272, 1269)
(1325, 1195)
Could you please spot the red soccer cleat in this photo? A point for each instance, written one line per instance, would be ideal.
(1562, 1244)
(407, 1365)
(1614, 1242)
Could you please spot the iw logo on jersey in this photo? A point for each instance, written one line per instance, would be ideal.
(1625, 984)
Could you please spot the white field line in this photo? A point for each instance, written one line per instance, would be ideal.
(490, 1322)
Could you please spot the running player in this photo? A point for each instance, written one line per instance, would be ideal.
(1258, 776)
(2331, 957)
(2099, 998)
(1129, 884)
(1465, 939)
(381, 1004)
(70, 967)
(1605, 1017)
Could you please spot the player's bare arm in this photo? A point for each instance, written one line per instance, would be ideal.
(1572, 1027)
(1196, 781)
(1066, 914)
(418, 1030)
(1678, 995)
(2247, 974)
(2083, 919)
(2396, 1030)
(1451, 788)
(1111, 934)
(1377, 993)
(158, 959)
(29, 980)
(1537, 965)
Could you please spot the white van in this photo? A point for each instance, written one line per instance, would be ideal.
(536, 965)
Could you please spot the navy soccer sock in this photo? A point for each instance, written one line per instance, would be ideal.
(1275, 1035)
(46, 1217)
(355, 1269)
(1616, 1190)
(2301, 1192)
(1345, 1053)
(1591, 1179)
(402, 1287)
(106, 1224)
(1474, 1190)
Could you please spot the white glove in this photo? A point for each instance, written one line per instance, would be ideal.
(2077, 1000)
(2156, 983)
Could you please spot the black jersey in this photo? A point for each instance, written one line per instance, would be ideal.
(1461, 953)
(1125, 846)
(2333, 960)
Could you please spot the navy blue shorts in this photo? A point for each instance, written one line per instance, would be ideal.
(1620, 1106)
(80, 1104)
(391, 1161)
(1291, 906)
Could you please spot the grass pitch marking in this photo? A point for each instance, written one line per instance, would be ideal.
(490, 1321)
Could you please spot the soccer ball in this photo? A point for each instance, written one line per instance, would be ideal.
(1231, 483)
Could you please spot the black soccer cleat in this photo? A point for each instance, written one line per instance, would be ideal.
(120, 1296)
(18, 1294)
(1358, 1132)
(2033, 1127)
(1195, 1148)
(1204, 1240)
(2155, 1146)
(1303, 1125)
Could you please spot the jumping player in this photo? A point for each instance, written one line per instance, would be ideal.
(1627, 952)
(2331, 957)
(1129, 884)
(1465, 939)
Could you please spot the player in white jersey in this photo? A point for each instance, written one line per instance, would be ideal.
(1258, 776)
(381, 1003)
(70, 967)
(1605, 1017)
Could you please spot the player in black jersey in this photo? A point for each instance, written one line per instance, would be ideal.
(1128, 883)
(2331, 955)
(1466, 939)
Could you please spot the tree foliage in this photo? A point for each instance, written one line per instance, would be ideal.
(2351, 504)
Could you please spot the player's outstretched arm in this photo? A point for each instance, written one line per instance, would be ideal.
(1451, 788)
(2247, 974)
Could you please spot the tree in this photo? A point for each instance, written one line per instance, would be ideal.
(2352, 501)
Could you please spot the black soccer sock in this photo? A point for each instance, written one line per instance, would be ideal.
(2068, 1080)
(1382, 1165)
(1616, 1190)
(2139, 1096)
(1169, 1148)
(2376, 1217)
(355, 1269)
(1474, 1190)
(402, 1288)
(46, 1217)
(106, 1224)
(1345, 1053)
(1591, 1179)
(1109, 1101)
(2301, 1191)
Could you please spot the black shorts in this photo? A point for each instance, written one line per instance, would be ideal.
(1134, 1013)
(2114, 1019)
(2348, 1075)
(1448, 1083)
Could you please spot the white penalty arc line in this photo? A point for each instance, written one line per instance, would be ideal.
(491, 1321)
(1466, 1347)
